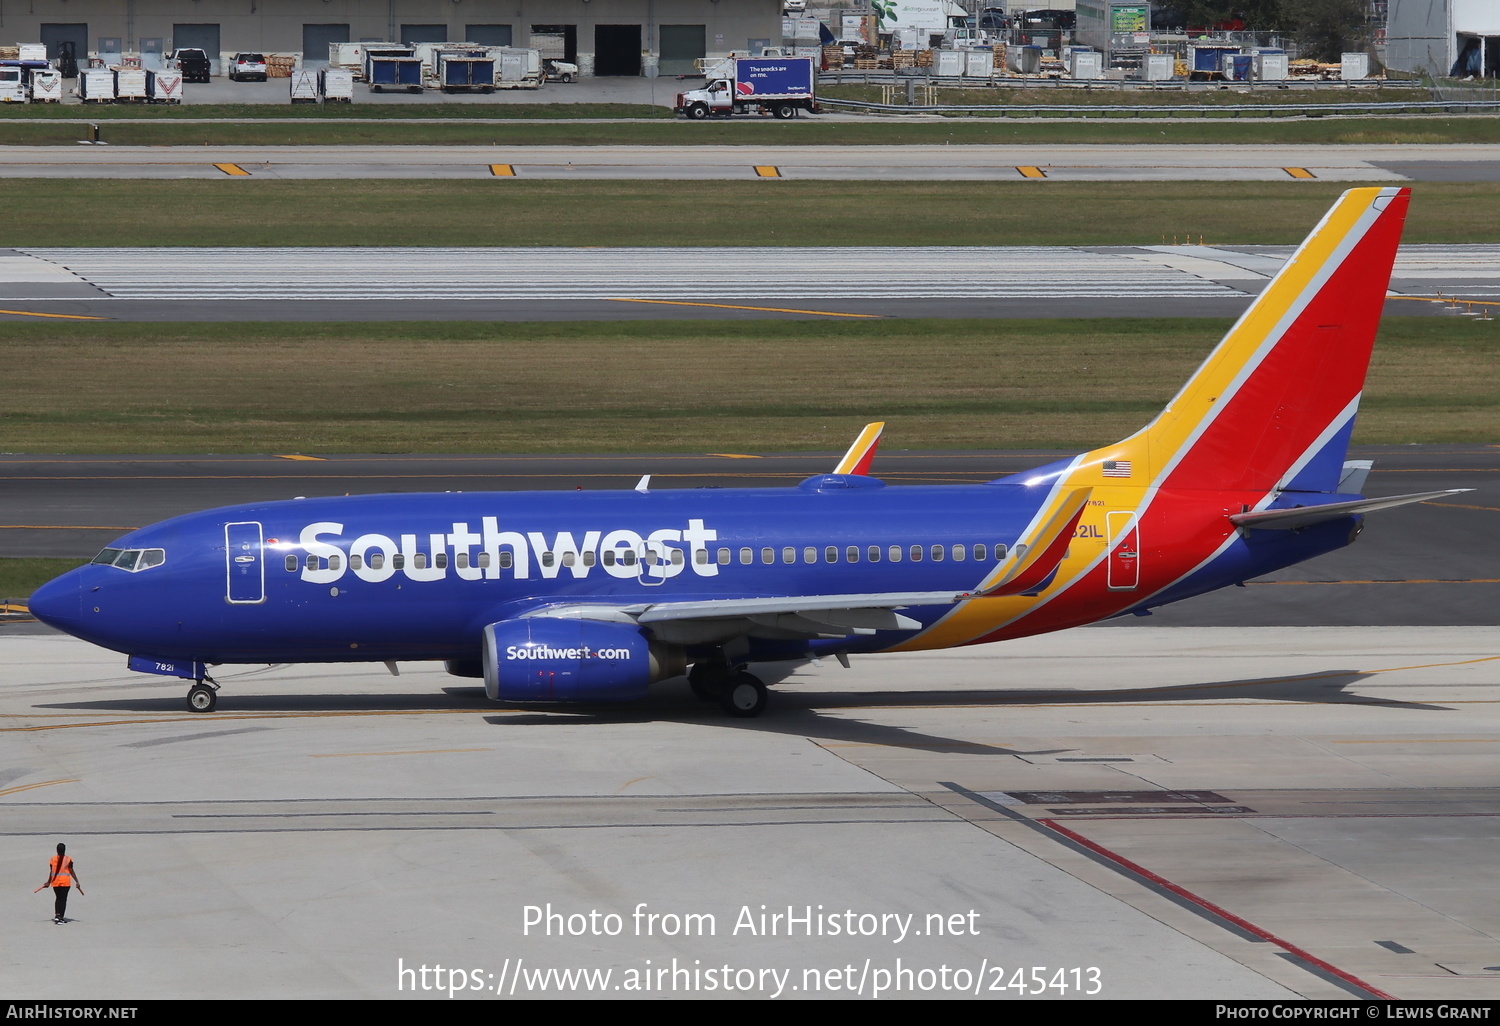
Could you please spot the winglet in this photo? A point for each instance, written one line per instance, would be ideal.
(1035, 559)
(862, 453)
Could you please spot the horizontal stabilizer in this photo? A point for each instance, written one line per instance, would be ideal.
(1353, 475)
(1306, 516)
(862, 453)
(1034, 560)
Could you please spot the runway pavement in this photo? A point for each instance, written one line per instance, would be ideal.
(176, 283)
(1022, 162)
(1218, 813)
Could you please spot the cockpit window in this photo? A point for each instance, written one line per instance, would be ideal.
(133, 560)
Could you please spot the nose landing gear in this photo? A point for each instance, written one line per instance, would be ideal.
(203, 695)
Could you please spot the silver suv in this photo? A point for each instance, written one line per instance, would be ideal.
(248, 66)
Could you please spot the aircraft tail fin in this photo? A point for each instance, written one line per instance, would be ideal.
(1273, 405)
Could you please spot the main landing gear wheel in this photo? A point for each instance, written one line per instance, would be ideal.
(202, 697)
(744, 696)
(708, 680)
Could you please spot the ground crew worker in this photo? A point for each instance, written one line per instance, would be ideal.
(61, 874)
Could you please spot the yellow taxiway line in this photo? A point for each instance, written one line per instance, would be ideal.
(64, 317)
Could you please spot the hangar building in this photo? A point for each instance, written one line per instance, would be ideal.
(604, 37)
(1441, 37)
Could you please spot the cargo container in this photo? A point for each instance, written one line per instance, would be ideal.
(1086, 64)
(12, 85)
(164, 86)
(466, 73)
(130, 85)
(374, 50)
(431, 53)
(1157, 67)
(46, 86)
(1270, 67)
(979, 63)
(336, 85)
(32, 52)
(948, 63)
(1207, 61)
(1354, 66)
(517, 67)
(780, 85)
(394, 73)
(1024, 60)
(303, 85)
(352, 55)
(96, 85)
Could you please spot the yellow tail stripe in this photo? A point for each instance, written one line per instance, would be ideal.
(867, 440)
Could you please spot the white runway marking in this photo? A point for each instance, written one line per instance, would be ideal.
(720, 274)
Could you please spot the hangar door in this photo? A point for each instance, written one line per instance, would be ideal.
(488, 35)
(617, 49)
(204, 37)
(681, 47)
(78, 35)
(424, 34)
(315, 40)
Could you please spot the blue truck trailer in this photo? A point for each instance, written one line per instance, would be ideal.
(777, 85)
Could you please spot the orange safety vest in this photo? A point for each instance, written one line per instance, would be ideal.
(62, 875)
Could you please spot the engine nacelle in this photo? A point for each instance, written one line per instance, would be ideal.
(543, 659)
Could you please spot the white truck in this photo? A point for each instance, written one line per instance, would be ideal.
(740, 85)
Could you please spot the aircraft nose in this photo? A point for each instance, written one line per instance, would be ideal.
(59, 602)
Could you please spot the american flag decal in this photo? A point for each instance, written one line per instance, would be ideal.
(1116, 468)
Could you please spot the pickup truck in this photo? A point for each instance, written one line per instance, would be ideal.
(192, 62)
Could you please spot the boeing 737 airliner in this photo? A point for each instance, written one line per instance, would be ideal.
(579, 596)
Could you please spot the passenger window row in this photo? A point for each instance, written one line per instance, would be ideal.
(958, 553)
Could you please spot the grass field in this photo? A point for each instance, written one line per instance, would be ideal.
(19, 577)
(668, 385)
(139, 130)
(507, 212)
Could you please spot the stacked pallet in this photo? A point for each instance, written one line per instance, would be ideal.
(833, 56)
(903, 59)
(280, 65)
(10, 53)
(924, 58)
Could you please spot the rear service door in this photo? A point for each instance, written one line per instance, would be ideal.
(1124, 550)
(245, 562)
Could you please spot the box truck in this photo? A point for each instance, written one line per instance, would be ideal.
(780, 85)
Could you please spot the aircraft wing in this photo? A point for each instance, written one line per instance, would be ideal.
(1306, 516)
(705, 621)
